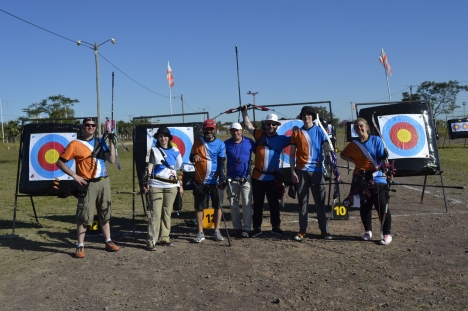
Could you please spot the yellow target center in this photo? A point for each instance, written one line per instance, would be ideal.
(404, 135)
(51, 156)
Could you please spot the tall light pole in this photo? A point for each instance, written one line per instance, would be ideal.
(352, 108)
(253, 94)
(463, 103)
(253, 110)
(204, 111)
(182, 100)
(95, 47)
(411, 89)
(1, 114)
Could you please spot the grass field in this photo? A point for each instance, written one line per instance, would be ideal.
(58, 214)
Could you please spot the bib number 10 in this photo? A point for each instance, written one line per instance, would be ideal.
(340, 211)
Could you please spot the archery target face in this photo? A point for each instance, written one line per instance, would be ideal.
(182, 139)
(404, 135)
(460, 127)
(286, 128)
(44, 151)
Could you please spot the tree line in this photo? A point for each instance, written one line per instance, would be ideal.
(440, 96)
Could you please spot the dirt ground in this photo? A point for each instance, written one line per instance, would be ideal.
(425, 267)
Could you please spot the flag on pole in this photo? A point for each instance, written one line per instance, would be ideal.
(170, 78)
(384, 61)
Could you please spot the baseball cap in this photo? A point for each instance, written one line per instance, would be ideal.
(87, 119)
(236, 126)
(272, 118)
(209, 123)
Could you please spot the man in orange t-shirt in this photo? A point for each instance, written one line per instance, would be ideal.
(90, 154)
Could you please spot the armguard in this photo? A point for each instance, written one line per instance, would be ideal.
(221, 164)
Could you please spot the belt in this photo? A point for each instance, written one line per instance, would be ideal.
(240, 180)
(97, 179)
(171, 181)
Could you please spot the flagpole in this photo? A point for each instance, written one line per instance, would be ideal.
(388, 86)
(170, 98)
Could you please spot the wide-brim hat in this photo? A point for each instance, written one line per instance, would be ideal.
(163, 130)
(272, 118)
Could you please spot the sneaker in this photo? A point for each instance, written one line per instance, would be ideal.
(326, 235)
(166, 243)
(79, 252)
(200, 237)
(387, 239)
(277, 231)
(150, 247)
(256, 232)
(218, 236)
(245, 235)
(300, 236)
(111, 247)
(367, 236)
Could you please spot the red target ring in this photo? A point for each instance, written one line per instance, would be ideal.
(48, 155)
(176, 141)
(404, 135)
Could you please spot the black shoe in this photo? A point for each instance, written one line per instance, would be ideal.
(244, 234)
(326, 235)
(277, 231)
(256, 232)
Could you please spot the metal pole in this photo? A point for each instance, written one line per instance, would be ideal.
(96, 47)
(182, 100)
(1, 115)
(464, 115)
(170, 98)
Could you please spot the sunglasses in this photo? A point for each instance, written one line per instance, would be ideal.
(271, 124)
(90, 125)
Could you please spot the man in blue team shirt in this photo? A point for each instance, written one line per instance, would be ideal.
(239, 151)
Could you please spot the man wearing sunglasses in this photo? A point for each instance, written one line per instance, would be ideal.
(266, 171)
(90, 154)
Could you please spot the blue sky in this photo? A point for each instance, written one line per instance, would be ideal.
(288, 51)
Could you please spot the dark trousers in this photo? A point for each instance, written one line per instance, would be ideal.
(378, 199)
(260, 189)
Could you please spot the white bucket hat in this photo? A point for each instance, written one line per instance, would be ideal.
(236, 126)
(272, 118)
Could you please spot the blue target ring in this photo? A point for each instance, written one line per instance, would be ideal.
(39, 163)
(183, 143)
(286, 129)
(410, 125)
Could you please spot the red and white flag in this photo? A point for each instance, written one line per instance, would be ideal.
(384, 61)
(170, 78)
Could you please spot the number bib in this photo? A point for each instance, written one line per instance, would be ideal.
(208, 218)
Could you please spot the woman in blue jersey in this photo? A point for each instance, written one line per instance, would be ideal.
(369, 155)
(163, 185)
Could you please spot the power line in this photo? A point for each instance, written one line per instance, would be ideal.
(74, 41)
(131, 78)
